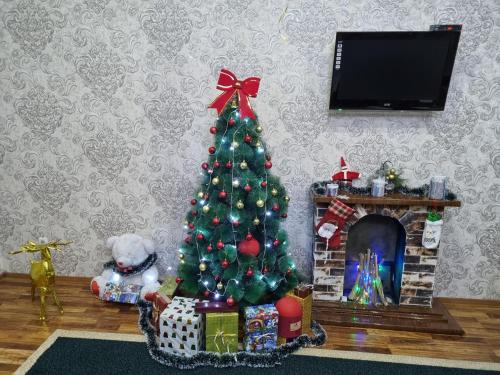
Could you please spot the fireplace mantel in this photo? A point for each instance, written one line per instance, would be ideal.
(391, 200)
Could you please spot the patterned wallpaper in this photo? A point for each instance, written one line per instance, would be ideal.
(103, 120)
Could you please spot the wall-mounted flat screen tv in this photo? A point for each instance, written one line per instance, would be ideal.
(393, 70)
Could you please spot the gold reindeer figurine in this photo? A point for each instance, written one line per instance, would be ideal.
(42, 271)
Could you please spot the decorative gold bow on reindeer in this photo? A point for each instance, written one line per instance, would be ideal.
(42, 271)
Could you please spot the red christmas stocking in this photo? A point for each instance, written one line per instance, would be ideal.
(333, 222)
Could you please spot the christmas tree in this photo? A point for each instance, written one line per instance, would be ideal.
(235, 249)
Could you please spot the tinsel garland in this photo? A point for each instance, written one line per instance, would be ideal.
(150, 260)
(267, 359)
(319, 188)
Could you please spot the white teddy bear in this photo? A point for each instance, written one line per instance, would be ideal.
(133, 262)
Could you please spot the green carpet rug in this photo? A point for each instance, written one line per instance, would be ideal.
(118, 354)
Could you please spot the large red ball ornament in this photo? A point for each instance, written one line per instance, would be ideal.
(211, 150)
(249, 237)
(216, 164)
(248, 188)
(230, 301)
(222, 194)
(210, 248)
(193, 201)
(220, 245)
(178, 279)
(248, 138)
(268, 164)
(206, 293)
(251, 247)
(213, 130)
(229, 165)
(216, 221)
(224, 264)
(200, 236)
(263, 184)
(204, 165)
(290, 317)
(231, 121)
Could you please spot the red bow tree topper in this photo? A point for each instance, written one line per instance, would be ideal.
(229, 84)
(345, 174)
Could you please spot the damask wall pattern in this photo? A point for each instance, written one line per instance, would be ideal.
(103, 120)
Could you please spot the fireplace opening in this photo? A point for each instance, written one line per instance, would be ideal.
(386, 237)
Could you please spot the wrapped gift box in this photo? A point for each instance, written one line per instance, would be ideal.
(167, 288)
(214, 306)
(160, 303)
(261, 328)
(304, 296)
(258, 318)
(181, 328)
(221, 332)
(129, 293)
(261, 341)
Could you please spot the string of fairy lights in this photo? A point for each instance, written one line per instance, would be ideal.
(219, 289)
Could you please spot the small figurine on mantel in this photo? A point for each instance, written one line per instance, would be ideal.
(345, 176)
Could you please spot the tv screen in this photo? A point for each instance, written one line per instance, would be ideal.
(393, 70)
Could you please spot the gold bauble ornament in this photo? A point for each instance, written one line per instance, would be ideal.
(260, 203)
(234, 144)
(219, 285)
(182, 261)
(274, 192)
(215, 180)
(391, 177)
(234, 104)
(259, 129)
(200, 194)
(243, 165)
(236, 183)
(205, 209)
(258, 144)
(392, 171)
(287, 198)
(240, 205)
(202, 267)
(181, 256)
(256, 221)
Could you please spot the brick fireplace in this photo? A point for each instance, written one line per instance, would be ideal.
(417, 273)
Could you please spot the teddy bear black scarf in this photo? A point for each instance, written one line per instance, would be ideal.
(129, 271)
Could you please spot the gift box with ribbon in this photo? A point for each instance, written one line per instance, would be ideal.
(221, 332)
(181, 328)
(261, 328)
(303, 294)
(160, 303)
(167, 288)
(261, 341)
(128, 293)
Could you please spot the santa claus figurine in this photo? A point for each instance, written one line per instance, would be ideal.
(345, 176)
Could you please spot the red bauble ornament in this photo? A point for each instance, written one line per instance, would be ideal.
(193, 201)
(249, 272)
(268, 164)
(217, 278)
(263, 184)
(230, 301)
(187, 239)
(248, 188)
(200, 237)
(229, 165)
(206, 293)
(231, 121)
(248, 138)
(265, 269)
(289, 271)
(284, 216)
(211, 150)
(248, 237)
(205, 196)
(249, 247)
(178, 279)
(216, 164)
(276, 207)
(204, 165)
(224, 264)
(213, 130)
(210, 248)
(220, 245)
(194, 212)
(191, 226)
(276, 243)
(216, 221)
(236, 223)
(222, 195)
